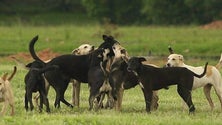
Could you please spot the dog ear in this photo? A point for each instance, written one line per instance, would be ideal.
(105, 37)
(75, 51)
(28, 65)
(181, 58)
(4, 77)
(141, 59)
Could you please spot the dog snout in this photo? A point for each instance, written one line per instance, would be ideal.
(168, 65)
(123, 51)
(129, 69)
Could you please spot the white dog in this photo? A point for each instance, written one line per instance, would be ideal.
(212, 77)
(83, 49)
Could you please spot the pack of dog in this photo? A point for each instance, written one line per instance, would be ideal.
(6, 93)
(73, 67)
(212, 77)
(153, 78)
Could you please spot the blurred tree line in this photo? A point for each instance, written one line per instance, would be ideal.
(125, 11)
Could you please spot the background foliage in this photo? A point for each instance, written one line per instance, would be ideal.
(124, 11)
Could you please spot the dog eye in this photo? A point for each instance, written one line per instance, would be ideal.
(114, 47)
(173, 59)
(85, 47)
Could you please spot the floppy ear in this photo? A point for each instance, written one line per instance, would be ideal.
(28, 65)
(181, 58)
(75, 51)
(141, 59)
(105, 37)
(4, 77)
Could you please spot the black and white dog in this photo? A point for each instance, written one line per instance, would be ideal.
(153, 78)
(73, 67)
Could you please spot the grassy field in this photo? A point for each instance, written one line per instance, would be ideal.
(190, 41)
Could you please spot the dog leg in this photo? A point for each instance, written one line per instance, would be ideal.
(29, 99)
(148, 94)
(4, 107)
(13, 109)
(154, 102)
(41, 103)
(76, 93)
(219, 94)
(91, 99)
(207, 89)
(45, 100)
(26, 102)
(101, 98)
(119, 99)
(185, 94)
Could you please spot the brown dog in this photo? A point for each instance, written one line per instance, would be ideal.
(6, 94)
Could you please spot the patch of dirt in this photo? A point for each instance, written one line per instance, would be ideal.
(45, 55)
(213, 25)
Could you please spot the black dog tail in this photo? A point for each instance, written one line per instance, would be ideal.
(32, 51)
(170, 50)
(204, 72)
(53, 67)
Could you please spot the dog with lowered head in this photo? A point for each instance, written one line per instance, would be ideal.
(212, 77)
(153, 78)
(122, 79)
(6, 93)
(72, 67)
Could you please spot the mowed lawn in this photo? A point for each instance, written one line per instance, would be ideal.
(196, 44)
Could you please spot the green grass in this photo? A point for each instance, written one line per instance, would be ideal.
(133, 112)
(189, 41)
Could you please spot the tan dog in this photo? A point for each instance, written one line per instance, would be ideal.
(212, 77)
(6, 94)
(83, 49)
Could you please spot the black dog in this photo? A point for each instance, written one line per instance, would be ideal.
(121, 79)
(153, 78)
(34, 82)
(72, 66)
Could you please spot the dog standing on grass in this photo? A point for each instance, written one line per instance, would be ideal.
(153, 78)
(6, 93)
(212, 77)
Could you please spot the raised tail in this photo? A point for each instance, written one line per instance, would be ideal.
(170, 50)
(11, 76)
(204, 72)
(219, 64)
(32, 51)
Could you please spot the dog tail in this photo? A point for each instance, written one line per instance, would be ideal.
(32, 51)
(49, 68)
(219, 64)
(170, 50)
(11, 76)
(204, 72)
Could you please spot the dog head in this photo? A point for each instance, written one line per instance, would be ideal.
(120, 53)
(175, 60)
(134, 63)
(109, 41)
(83, 49)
